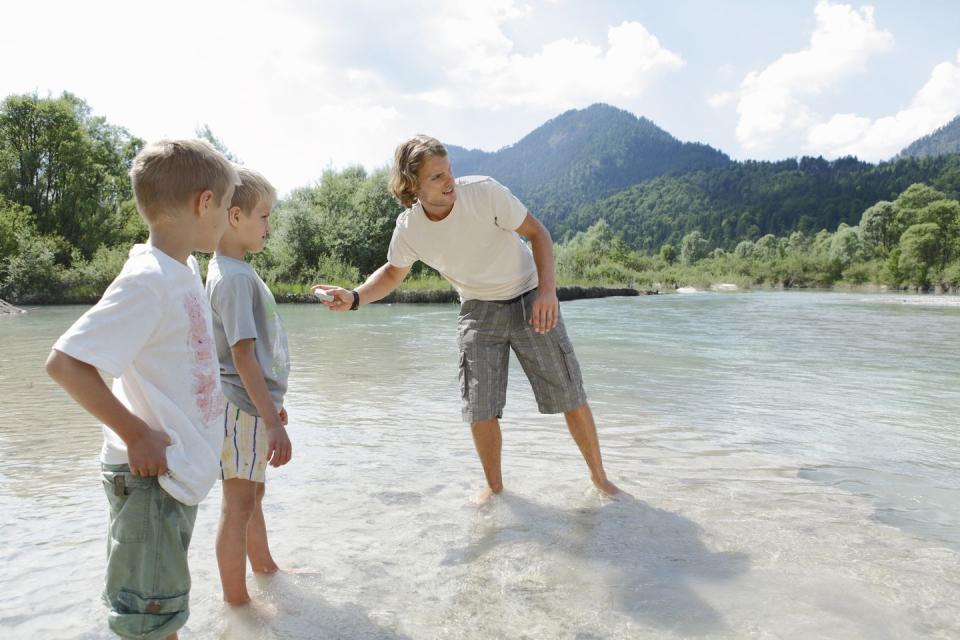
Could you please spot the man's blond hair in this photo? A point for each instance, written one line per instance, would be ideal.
(408, 158)
(252, 190)
(167, 174)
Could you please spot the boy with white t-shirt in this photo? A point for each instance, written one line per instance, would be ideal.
(152, 332)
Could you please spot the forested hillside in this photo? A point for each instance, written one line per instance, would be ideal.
(582, 155)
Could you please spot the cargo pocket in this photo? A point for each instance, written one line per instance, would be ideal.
(570, 363)
(129, 498)
(133, 616)
(464, 378)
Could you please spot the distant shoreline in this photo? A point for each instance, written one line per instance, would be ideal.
(566, 293)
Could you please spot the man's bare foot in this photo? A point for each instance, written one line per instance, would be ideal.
(608, 489)
(484, 496)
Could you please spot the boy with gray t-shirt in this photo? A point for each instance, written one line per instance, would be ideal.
(254, 365)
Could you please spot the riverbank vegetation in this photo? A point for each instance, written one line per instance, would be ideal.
(67, 219)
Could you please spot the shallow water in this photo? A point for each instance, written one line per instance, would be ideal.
(795, 459)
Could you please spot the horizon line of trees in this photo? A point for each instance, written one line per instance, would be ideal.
(68, 217)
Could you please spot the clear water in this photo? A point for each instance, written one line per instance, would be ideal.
(795, 459)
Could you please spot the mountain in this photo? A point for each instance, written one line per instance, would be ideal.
(746, 200)
(583, 155)
(944, 140)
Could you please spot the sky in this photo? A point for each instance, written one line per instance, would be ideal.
(301, 86)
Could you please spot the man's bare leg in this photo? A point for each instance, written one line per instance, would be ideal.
(584, 431)
(239, 498)
(258, 549)
(488, 441)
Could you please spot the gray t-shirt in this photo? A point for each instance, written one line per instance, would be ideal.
(244, 308)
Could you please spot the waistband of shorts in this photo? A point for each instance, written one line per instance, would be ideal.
(512, 300)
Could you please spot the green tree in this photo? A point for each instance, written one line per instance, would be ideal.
(909, 203)
(668, 253)
(920, 252)
(745, 250)
(877, 228)
(68, 167)
(845, 246)
(946, 215)
(693, 248)
(768, 247)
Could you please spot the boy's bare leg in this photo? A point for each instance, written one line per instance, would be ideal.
(488, 441)
(584, 431)
(258, 550)
(239, 501)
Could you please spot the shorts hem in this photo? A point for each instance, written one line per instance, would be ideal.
(563, 408)
(471, 416)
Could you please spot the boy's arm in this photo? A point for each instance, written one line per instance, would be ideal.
(146, 447)
(248, 367)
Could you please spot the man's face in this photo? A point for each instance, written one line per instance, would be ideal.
(436, 190)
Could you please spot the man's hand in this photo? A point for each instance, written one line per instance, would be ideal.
(284, 419)
(148, 452)
(343, 298)
(545, 311)
(279, 449)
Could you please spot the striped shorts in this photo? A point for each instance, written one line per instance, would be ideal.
(244, 453)
(486, 332)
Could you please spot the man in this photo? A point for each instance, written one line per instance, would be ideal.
(467, 229)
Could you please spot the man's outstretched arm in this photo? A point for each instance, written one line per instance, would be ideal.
(379, 285)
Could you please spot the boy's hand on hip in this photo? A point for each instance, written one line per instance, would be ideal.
(279, 449)
(147, 454)
(545, 312)
(284, 419)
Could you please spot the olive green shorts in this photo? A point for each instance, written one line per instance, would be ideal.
(147, 584)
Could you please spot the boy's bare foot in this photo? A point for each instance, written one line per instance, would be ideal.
(256, 608)
(266, 568)
(238, 602)
(302, 570)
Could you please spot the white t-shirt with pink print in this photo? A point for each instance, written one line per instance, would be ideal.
(152, 332)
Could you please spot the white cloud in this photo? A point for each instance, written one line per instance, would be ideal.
(721, 99)
(770, 102)
(296, 87)
(485, 73)
(937, 102)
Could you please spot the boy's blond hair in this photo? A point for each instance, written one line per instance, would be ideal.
(168, 173)
(253, 189)
(408, 158)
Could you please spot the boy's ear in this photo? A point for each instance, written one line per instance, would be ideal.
(233, 215)
(203, 201)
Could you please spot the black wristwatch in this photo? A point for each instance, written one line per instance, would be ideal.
(356, 300)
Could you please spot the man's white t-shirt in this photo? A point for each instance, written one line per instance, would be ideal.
(476, 247)
(152, 332)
